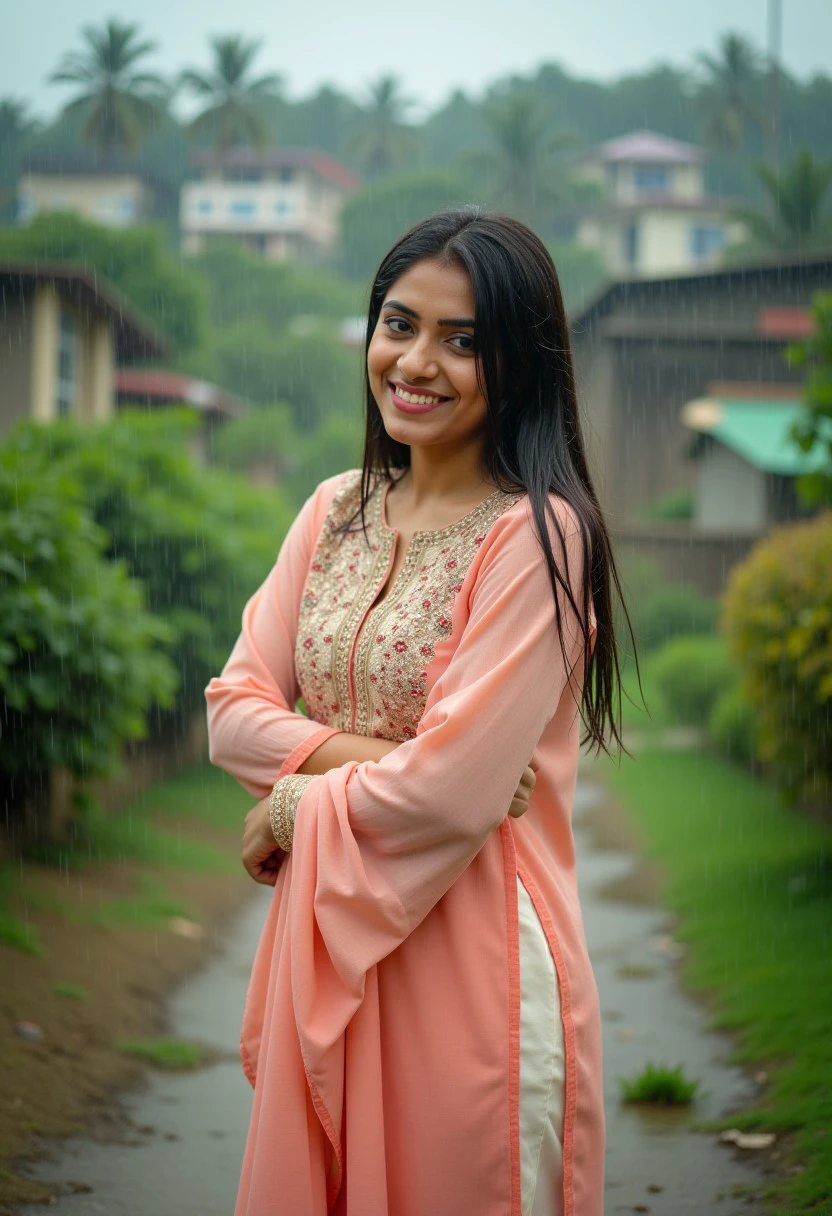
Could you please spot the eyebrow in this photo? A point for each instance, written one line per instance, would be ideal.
(460, 322)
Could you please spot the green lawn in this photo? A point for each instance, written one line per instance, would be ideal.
(752, 882)
(147, 831)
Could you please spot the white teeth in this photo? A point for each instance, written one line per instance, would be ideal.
(413, 399)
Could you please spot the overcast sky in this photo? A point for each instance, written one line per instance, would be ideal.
(434, 46)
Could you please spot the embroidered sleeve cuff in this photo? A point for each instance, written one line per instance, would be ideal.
(283, 804)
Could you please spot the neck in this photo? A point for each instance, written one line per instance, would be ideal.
(449, 476)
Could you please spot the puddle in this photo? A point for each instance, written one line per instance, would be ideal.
(647, 1016)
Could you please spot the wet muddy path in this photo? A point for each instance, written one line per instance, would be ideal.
(184, 1133)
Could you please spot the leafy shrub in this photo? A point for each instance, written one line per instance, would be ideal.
(661, 610)
(198, 539)
(778, 617)
(732, 726)
(678, 504)
(691, 673)
(78, 668)
(265, 434)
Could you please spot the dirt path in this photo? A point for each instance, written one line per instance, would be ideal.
(185, 1133)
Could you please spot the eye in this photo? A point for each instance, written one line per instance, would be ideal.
(391, 322)
(469, 346)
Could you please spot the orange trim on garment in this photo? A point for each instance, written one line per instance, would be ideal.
(513, 943)
(305, 749)
(571, 1082)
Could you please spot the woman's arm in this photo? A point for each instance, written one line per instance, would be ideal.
(341, 748)
(254, 731)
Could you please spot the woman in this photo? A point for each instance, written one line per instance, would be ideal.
(422, 1027)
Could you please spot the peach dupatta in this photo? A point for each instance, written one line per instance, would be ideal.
(382, 1021)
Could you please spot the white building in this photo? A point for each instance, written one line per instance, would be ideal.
(652, 215)
(282, 202)
(115, 195)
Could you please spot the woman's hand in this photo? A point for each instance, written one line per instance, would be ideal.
(262, 857)
(261, 854)
(520, 801)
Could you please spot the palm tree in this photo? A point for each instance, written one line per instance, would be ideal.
(231, 115)
(521, 163)
(384, 141)
(119, 105)
(796, 217)
(729, 91)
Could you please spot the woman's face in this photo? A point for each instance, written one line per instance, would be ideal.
(421, 362)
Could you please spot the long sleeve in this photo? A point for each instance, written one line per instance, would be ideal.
(254, 731)
(377, 845)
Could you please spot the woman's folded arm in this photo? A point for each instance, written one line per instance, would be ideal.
(254, 731)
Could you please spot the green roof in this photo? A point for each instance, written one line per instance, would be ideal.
(758, 431)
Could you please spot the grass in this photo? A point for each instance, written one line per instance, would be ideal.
(72, 992)
(164, 1053)
(19, 935)
(752, 882)
(137, 831)
(150, 908)
(659, 1085)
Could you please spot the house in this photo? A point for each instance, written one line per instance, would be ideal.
(282, 202)
(62, 330)
(113, 193)
(652, 214)
(156, 388)
(646, 347)
(746, 462)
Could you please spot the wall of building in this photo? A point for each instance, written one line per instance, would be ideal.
(632, 392)
(15, 359)
(117, 201)
(730, 493)
(286, 216)
(29, 359)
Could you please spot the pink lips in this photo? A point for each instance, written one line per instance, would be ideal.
(410, 407)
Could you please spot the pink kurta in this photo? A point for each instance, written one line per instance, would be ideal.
(381, 1029)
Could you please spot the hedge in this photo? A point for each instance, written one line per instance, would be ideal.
(778, 619)
(79, 657)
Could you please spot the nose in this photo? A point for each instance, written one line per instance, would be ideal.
(418, 362)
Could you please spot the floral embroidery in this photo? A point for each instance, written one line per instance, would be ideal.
(375, 695)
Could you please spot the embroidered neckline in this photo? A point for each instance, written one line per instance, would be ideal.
(379, 503)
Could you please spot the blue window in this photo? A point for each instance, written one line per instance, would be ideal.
(706, 240)
(281, 207)
(243, 208)
(652, 179)
(205, 206)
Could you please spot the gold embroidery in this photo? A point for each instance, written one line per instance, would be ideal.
(383, 692)
(283, 805)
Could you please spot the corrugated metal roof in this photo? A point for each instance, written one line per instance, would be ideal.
(758, 431)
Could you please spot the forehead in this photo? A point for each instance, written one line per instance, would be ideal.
(435, 288)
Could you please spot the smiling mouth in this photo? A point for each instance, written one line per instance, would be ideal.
(416, 398)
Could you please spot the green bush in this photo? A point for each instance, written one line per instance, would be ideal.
(691, 673)
(78, 660)
(778, 618)
(732, 726)
(199, 539)
(677, 505)
(661, 610)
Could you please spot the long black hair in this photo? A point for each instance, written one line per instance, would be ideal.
(533, 436)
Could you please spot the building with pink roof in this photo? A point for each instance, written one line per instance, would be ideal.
(650, 213)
